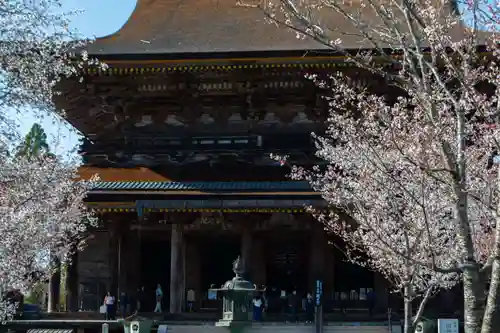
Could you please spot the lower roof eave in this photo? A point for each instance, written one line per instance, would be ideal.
(211, 205)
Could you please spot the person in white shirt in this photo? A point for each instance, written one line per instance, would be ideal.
(159, 298)
(191, 299)
(257, 308)
(109, 301)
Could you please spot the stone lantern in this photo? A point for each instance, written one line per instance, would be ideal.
(237, 295)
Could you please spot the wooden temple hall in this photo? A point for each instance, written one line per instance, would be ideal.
(180, 129)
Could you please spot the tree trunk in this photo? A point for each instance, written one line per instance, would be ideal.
(491, 314)
(54, 284)
(408, 321)
(72, 283)
(472, 282)
(473, 300)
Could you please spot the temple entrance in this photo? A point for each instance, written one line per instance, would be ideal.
(352, 282)
(287, 268)
(218, 254)
(155, 268)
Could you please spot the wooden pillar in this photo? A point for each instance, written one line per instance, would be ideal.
(54, 284)
(317, 256)
(176, 269)
(193, 270)
(132, 264)
(124, 250)
(329, 271)
(246, 250)
(114, 260)
(381, 290)
(72, 283)
(259, 273)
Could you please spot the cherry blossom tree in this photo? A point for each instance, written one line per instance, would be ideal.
(36, 51)
(42, 213)
(387, 173)
(41, 203)
(410, 165)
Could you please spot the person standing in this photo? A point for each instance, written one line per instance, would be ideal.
(292, 306)
(257, 309)
(109, 301)
(123, 304)
(191, 299)
(309, 308)
(159, 298)
(140, 299)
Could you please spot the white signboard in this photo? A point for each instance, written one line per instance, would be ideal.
(448, 326)
(162, 329)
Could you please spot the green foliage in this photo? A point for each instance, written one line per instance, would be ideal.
(36, 295)
(35, 143)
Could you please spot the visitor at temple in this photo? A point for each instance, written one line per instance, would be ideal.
(140, 299)
(109, 301)
(123, 304)
(293, 303)
(159, 298)
(309, 308)
(265, 303)
(191, 299)
(283, 302)
(257, 308)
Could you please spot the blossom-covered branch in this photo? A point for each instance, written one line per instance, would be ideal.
(41, 211)
(41, 204)
(411, 166)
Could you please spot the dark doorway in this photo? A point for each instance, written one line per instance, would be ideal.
(352, 282)
(155, 268)
(218, 254)
(287, 268)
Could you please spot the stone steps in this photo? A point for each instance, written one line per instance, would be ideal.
(355, 328)
(283, 328)
(280, 328)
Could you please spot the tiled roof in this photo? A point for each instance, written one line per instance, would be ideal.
(280, 186)
(194, 26)
(121, 174)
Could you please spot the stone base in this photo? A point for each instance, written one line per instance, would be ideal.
(233, 326)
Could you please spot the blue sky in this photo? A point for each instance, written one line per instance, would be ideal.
(100, 18)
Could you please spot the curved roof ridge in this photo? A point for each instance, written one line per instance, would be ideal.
(206, 26)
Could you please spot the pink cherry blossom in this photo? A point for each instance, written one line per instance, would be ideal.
(409, 174)
(41, 204)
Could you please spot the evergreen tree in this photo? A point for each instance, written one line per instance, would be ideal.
(35, 143)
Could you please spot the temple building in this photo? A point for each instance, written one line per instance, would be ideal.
(180, 129)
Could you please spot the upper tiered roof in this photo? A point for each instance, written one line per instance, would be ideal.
(206, 26)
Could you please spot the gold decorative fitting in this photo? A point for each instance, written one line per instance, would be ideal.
(113, 210)
(203, 210)
(203, 68)
(168, 66)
